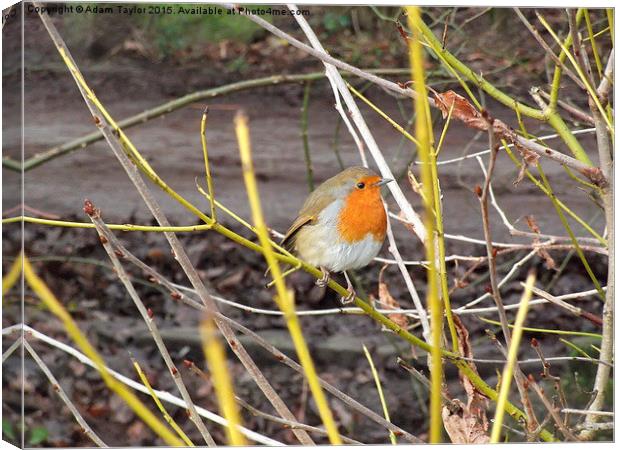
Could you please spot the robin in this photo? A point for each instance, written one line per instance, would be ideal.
(341, 225)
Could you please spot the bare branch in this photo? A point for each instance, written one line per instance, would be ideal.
(104, 231)
(88, 431)
(9, 351)
(548, 49)
(552, 410)
(567, 306)
(162, 395)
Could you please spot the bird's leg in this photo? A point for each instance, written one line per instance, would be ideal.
(349, 298)
(322, 282)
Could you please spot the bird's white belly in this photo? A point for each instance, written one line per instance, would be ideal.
(322, 246)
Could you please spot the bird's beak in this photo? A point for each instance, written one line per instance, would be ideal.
(383, 181)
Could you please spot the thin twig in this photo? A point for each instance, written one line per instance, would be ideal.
(304, 136)
(86, 429)
(567, 306)
(160, 406)
(162, 395)
(147, 316)
(572, 110)
(9, 351)
(205, 155)
(424, 381)
(375, 375)
(291, 424)
(568, 434)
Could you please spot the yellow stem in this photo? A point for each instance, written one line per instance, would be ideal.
(375, 375)
(216, 358)
(597, 59)
(52, 303)
(205, 154)
(169, 419)
(9, 280)
(575, 347)
(504, 389)
(123, 227)
(284, 297)
(424, 136)
(547, 330)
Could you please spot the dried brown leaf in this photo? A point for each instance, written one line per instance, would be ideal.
(462, 429)
(461, 109)
(529, 158)
(541, 251)
(470, 425)
(389, 302)
(415, 186)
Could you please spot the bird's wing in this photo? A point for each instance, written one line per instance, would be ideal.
(299, 222)
(318, 200)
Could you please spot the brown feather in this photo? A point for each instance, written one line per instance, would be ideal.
(287, 240)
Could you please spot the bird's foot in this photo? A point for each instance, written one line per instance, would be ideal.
(349, 298)
(322, 282)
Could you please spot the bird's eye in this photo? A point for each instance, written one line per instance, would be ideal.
(360, 185)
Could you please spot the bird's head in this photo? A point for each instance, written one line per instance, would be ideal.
(360, 183)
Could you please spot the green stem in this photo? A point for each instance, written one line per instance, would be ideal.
(549, 116)
(572, 235)
(555, 120)
(477, 79)
(304, 136)
(548, 193)
(597, 59)
(424, 136)
(557, 73)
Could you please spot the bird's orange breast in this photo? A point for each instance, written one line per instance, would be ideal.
(362, 213)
